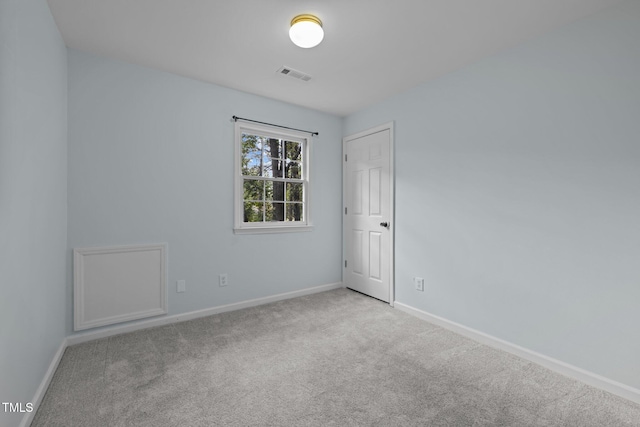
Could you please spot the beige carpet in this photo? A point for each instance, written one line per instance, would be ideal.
(336, 358)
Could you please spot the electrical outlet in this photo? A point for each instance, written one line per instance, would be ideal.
(181, 285)
(418, 282)
(223, 279)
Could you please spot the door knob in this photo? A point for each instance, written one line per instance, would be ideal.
(384, 224)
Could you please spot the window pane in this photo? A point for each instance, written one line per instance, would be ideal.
(268, 190)
(293, 150)
(253, 211)
(274, 211)
(253, 189)
(275, 191)
(295, 211)
(293, 170)
(251, 154)
(273, 148)
(273, 168)
(294, 192)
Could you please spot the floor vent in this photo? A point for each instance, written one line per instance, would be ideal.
(290, 72)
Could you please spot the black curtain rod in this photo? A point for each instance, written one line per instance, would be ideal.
(235, 118)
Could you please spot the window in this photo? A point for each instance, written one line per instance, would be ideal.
(272, 179)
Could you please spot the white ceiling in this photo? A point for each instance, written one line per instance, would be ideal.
(372, 49)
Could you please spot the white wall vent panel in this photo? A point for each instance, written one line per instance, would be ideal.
(119, 283)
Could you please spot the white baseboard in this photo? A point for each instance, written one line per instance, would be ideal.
(165, 320)
(595, 380)
(44, 384)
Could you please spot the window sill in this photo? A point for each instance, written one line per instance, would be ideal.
(273, 229)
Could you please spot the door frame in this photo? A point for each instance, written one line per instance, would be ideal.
(392, 184)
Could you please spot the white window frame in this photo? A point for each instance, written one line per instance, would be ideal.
(241, 227)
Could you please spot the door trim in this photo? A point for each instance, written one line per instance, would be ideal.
(392, 197)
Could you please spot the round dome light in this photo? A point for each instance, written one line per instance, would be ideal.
(306, 31)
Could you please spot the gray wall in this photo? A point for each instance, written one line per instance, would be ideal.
(33, 196)
(151, 160)
(518, 194)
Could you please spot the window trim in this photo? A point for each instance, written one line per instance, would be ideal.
(241, 227)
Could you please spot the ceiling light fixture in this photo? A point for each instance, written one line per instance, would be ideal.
(306, 31)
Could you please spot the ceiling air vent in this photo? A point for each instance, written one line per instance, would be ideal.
(290, 72)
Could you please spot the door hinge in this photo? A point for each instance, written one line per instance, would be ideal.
(345, 157)
(345, 210)
(345, 263)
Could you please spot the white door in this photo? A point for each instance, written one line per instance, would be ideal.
(368, 213)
